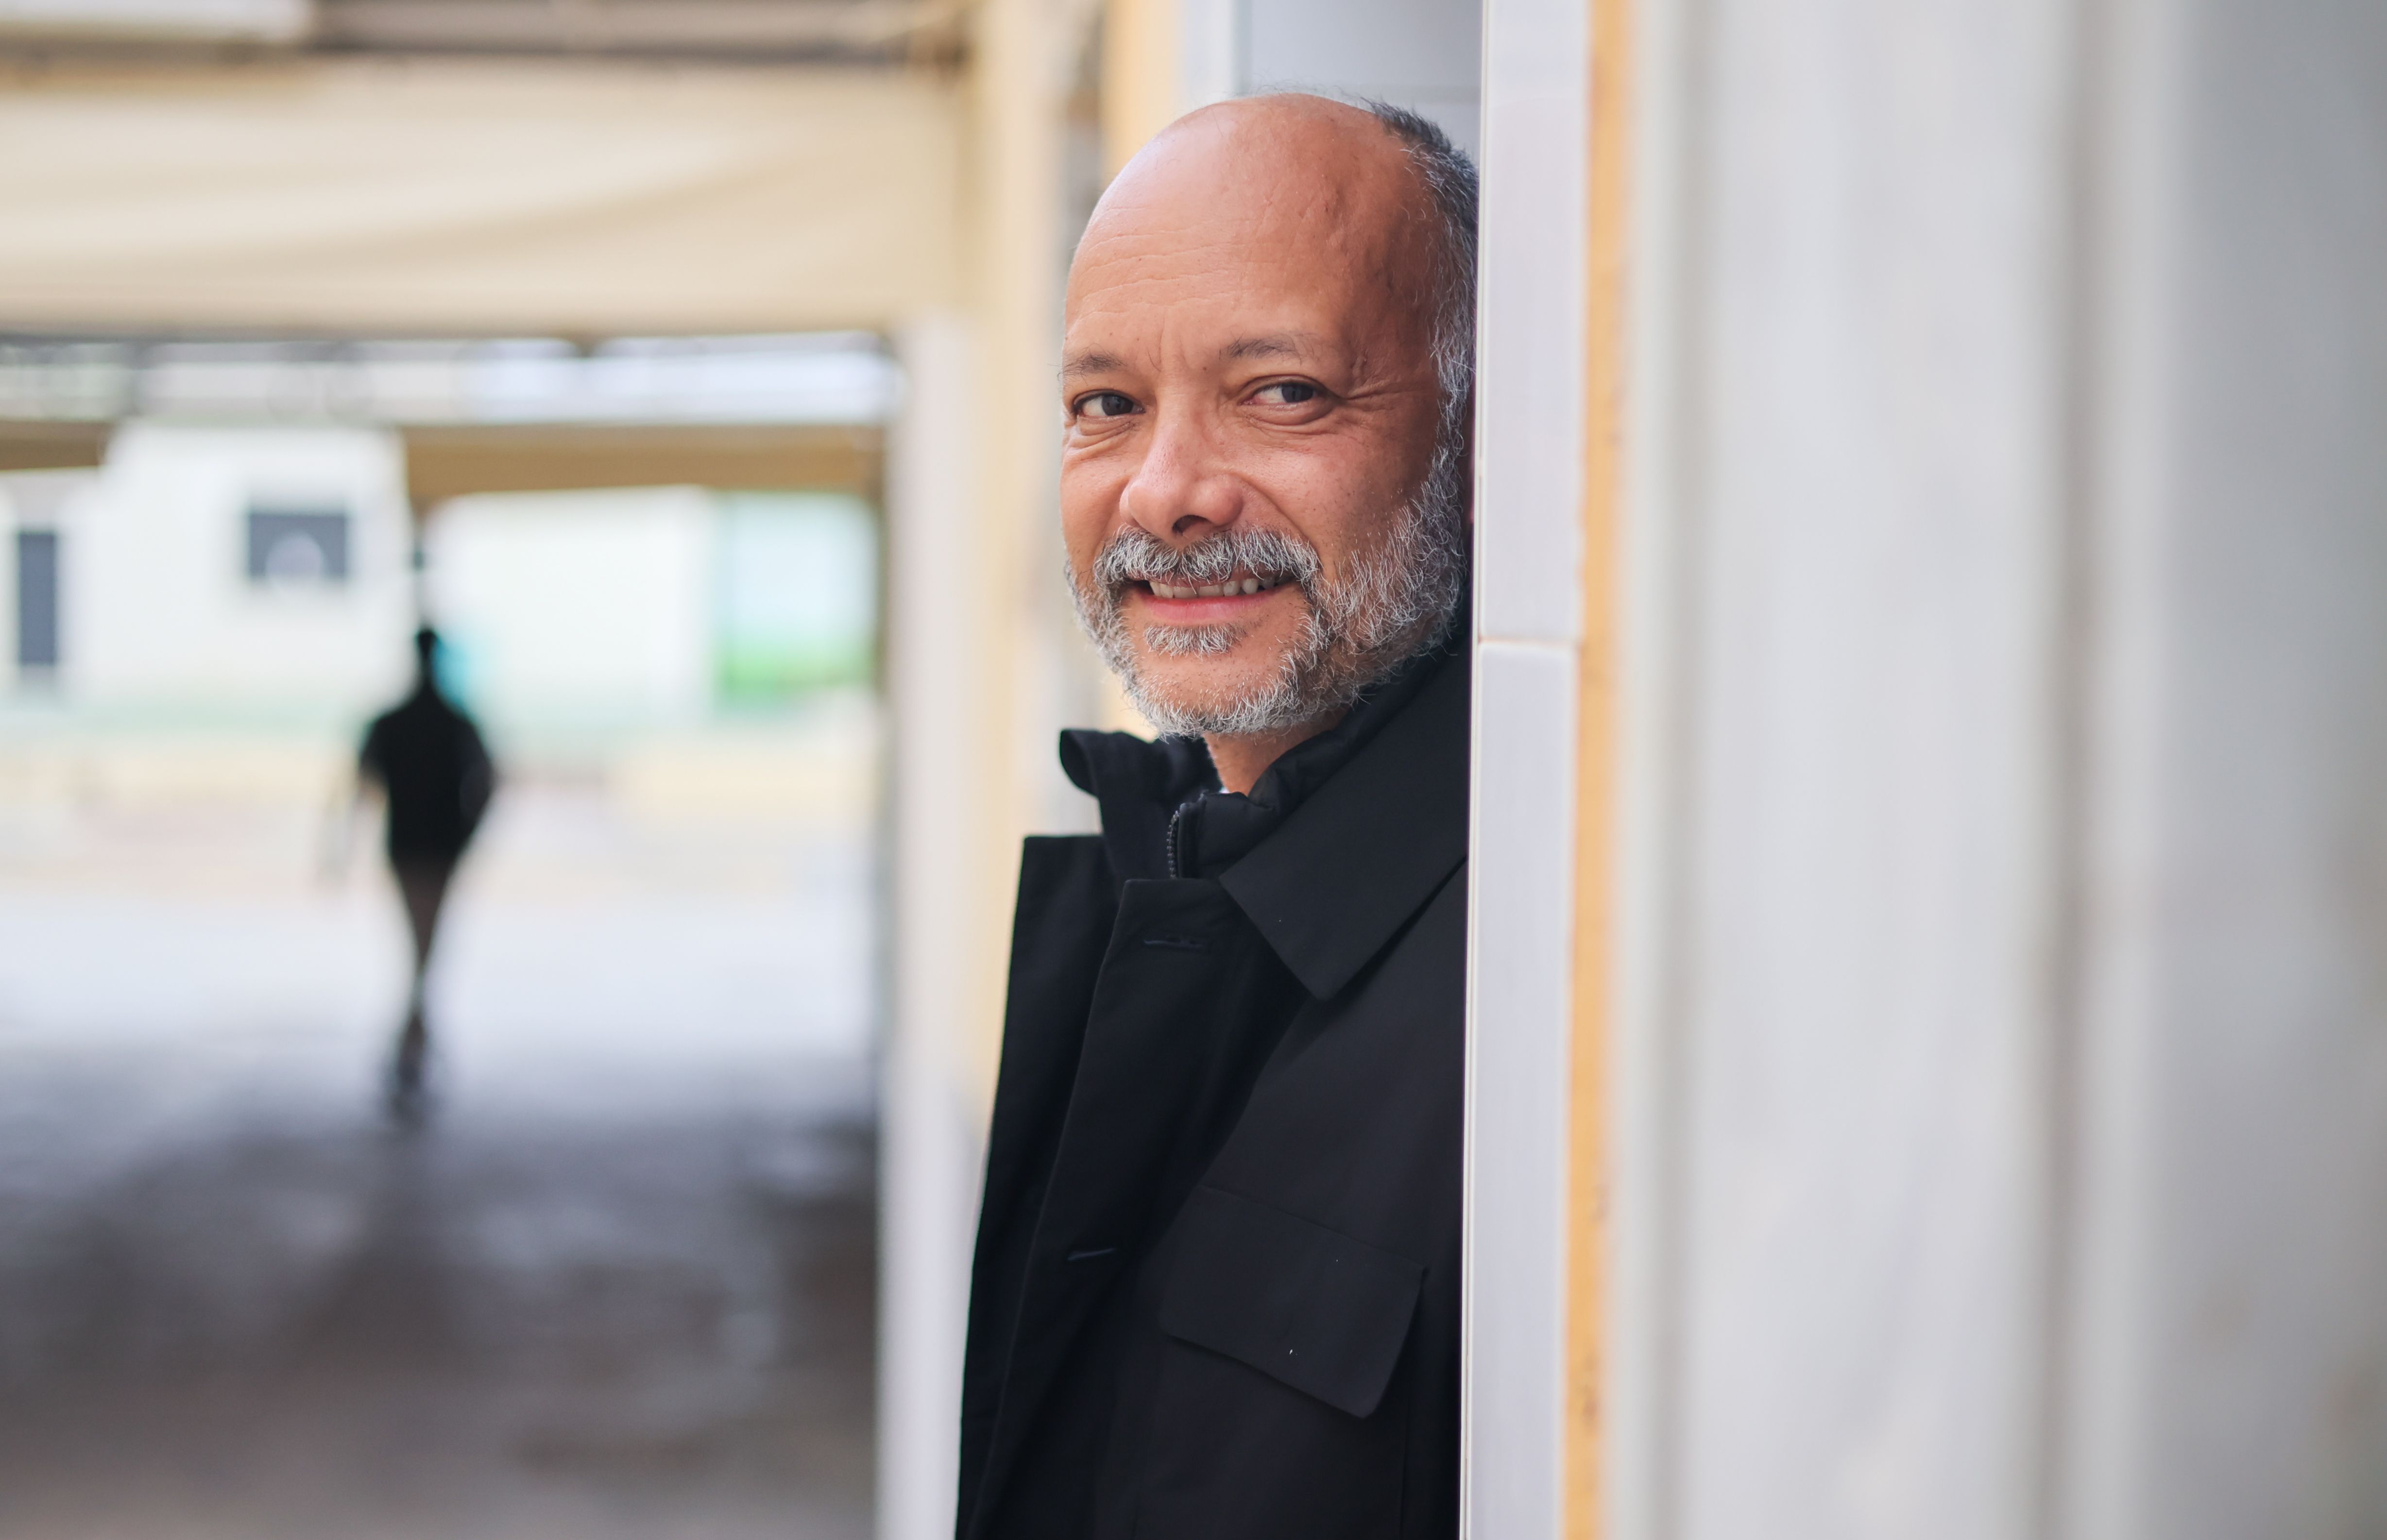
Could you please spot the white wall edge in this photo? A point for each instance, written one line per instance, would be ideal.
(1531, 313)
(1520, 993)
(930, 1114)
(1530, 437)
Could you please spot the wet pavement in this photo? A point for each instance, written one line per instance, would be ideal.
(617, 1283)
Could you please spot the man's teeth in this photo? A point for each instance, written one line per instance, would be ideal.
(1216, 590)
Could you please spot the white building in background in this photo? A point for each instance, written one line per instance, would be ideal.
(576, 608)
(651, 607)
(210, 574)
(247, 546)
(216, 572)
(35, 507)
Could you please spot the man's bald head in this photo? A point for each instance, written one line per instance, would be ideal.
(1266, 367)
(1382, 183)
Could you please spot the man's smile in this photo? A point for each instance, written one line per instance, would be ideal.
(1232, 586)
(1206, 604)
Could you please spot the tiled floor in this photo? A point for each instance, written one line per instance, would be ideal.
(618, 1285)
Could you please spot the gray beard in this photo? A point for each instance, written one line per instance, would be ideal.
(1395, 602)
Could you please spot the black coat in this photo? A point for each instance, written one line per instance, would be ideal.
(1217, 1288)
(429, 758)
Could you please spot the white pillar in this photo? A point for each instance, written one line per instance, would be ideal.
(1530, 412)
(2228, 1363)
(932, 1095)
(2004, 1002)
(1851, 493)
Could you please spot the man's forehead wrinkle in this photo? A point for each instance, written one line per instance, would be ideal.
(1125, 272)
(1150, 219)
(1211, 252)
(1125, 250)
(1227, 236)
(1132, 297)
(1367, 286)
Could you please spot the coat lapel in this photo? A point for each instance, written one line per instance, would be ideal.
(1365, 851)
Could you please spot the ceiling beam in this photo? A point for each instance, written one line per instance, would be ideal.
(744, 29)
(444, 463)
(470, 197)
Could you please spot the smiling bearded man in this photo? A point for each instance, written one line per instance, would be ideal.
(1216, 1285)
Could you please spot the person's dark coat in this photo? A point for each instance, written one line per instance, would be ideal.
(431, 762)
(1216, 1287)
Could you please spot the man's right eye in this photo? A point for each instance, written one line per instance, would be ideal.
(1106, 403)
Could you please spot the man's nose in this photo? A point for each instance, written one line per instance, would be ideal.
(1183, 488)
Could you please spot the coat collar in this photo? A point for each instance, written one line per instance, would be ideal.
(1365, 850)
(1341, 841)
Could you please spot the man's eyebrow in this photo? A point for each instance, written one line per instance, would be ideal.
(1278, 344)
(1076, 366)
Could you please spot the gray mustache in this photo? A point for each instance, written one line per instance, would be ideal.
(1137, 556)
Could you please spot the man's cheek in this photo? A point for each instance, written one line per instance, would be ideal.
(1083, 518)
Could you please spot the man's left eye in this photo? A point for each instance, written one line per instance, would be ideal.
(1285, 393)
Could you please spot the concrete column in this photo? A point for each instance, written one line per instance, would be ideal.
(1531, 628)
(932, 1093)
(2225, 1371)
(2002, 1034)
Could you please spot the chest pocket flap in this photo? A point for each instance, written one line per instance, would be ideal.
(1303, 1303)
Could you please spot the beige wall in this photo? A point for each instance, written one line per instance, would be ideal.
(984, 671)
(1142, 74)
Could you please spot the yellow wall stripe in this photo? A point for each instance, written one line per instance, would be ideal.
(1612, 79)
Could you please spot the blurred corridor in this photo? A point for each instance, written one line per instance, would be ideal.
(619, 1283)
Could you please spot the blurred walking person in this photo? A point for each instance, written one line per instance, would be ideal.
(436, 776)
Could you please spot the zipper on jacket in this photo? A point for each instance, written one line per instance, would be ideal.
(1176, 863)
